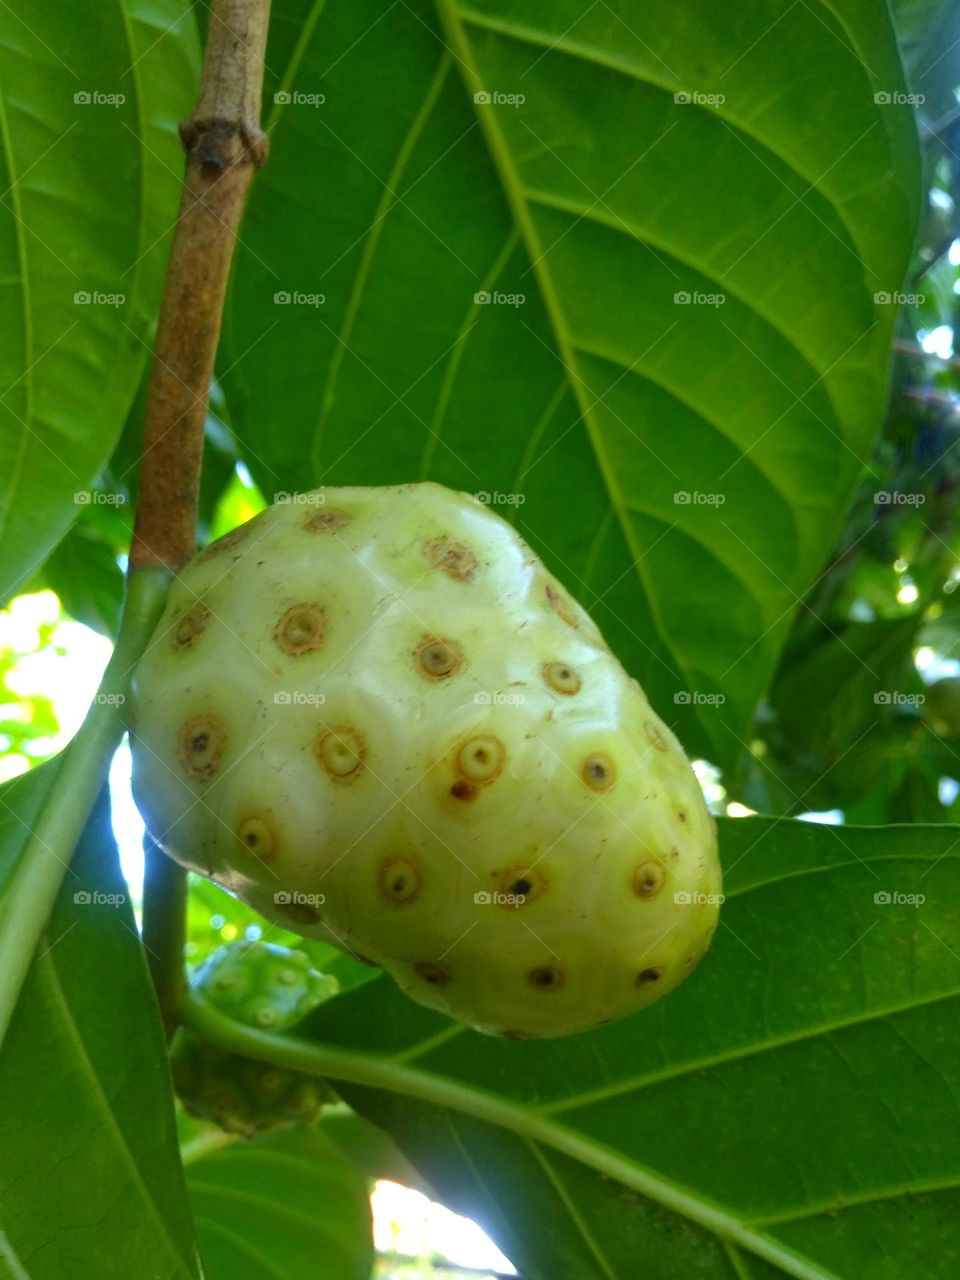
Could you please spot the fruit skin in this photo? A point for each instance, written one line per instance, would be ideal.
(265, 986)
(374, 715)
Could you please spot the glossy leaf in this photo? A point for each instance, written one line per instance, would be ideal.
(90, 169)
(613, 267)
(90, 1180)
(789, 1110)
(282, 1207)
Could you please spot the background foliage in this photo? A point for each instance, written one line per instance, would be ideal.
(633, 273)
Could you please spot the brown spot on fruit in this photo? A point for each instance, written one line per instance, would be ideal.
(464, 791)
(327, 521)
(342, 752)
(521, 881)
(560, 605)
(452, 558)
(481, 759)
(598, 772)
(437, 659)
(301, 629)
(561, 678)
(648, 879)
(256, 835)
(438, 975)
(200, 745)
(546, 978)
(191, 626)
(514, 1035)
(647, 977)
(655, 736)
(399, 881)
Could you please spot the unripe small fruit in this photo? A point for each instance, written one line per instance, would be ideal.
(374, 715)
(268, 987)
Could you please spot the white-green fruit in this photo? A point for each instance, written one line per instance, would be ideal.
(373, 715)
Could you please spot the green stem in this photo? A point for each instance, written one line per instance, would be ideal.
(374, 1072)
(82, 770)
(164, 929)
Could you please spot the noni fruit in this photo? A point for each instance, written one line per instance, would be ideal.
(267, 987)
(374, 716)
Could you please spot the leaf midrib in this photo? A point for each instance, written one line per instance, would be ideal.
(503, 163)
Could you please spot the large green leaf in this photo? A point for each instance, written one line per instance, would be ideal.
(600, 198)
(88, 195)
(90, 1179)
(285, 1207)
(790, 1110)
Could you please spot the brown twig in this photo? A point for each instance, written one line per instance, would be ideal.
(225, 146)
